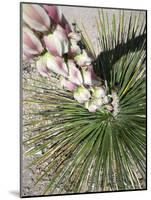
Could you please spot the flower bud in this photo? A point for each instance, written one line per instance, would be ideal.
(81, 94)
(27, 56)
(41, 65)
(57, 17)
(98, 92)
(57, 65)
(115, 102)
(98, 102)
(73, 36)
(31, 43)
(83, 59)
(94, 104)
(65, 25)
(74, 49)
(109, 107)
(54, 13)
(106, 100)
(89, 76)
(57, 43)
(67, 84)
(74, 73)
(90, 106)
(36, 17)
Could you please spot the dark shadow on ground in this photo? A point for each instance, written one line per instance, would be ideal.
(107, 59)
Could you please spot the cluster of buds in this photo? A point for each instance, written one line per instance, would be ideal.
(48, 36)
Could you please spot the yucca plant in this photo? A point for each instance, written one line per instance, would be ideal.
(80, 151)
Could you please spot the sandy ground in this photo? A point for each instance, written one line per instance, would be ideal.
(87, 17)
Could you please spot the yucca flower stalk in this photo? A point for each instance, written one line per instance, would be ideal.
(60, 47)
(87, 123)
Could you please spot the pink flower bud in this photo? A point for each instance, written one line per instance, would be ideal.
(81, 94)
(74, 73)
(67, 84)
(65, 25)
(54, 13)
(57, 43)
(36, 17)
(74, 36)
(83, 59)
(74, 49)
(27, 56)
(42, 66)
(57, 17)
(89, 76)
(57, 65)
(31, 43)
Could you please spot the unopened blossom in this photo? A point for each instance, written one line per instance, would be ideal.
(89, 75)
(36, 17)
(83, 59)
(67, 84)
(54, 13)
(27, 55)
(41, 65)
(109, 107)
(98, 91)
(90, 106)
(98, 102)
(57, 17)
(106, 100)
(73, 36)
(57, 65)
(65, 25)
(57, 42)
(115, 102)
(81, 94)
(74, 49)
(31, 43)
(74, 73)
(94, 104)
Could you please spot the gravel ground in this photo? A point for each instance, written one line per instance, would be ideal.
(72, 14)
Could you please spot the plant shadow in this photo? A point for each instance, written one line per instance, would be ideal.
(106, 59)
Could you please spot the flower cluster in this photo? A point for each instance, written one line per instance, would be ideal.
(48, 36)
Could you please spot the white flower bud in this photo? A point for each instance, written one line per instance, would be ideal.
(81, 94)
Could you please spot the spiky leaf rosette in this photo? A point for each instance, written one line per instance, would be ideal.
(92, 152)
